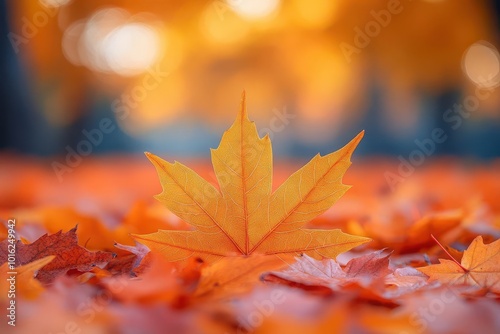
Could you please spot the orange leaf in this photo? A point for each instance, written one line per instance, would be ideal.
(244, 216)
(157, 283)
(480, 266)
(26, 284)
(233, 275)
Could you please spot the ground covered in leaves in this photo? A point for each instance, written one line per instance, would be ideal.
(80, 271)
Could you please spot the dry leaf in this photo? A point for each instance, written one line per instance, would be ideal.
(244, 216)
(480, 266)
(68, 254)
(127, 264)
(308, 272)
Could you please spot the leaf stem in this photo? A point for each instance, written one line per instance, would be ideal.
(449, 255)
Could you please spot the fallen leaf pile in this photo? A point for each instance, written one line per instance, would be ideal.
(237, 249)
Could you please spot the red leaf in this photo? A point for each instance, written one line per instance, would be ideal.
(68, 254)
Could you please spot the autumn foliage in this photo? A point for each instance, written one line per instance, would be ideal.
(245, 217)
(238, 250)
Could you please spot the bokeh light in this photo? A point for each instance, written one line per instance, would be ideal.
(55, 3)
(481, 64)
(112, 41)
(253, 9)
(395, 83)
(131, 48)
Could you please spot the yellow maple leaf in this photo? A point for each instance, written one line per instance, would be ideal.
(244, 216)
(480, 266)
(26, 284)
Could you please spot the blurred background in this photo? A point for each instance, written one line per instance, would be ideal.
(166, 76)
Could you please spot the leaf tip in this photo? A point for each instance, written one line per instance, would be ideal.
(266, 138)
(155, 160)
(149, 155)
(135, 236)
(358, 137)
(363, 240)
(353, 144)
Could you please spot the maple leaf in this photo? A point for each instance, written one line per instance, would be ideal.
(311, 274)
(480, 265)
(245, 216)
(68, 254)
(233, 276)
(26, 285)
(406, 277)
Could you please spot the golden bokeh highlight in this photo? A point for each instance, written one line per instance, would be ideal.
(282, 52)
